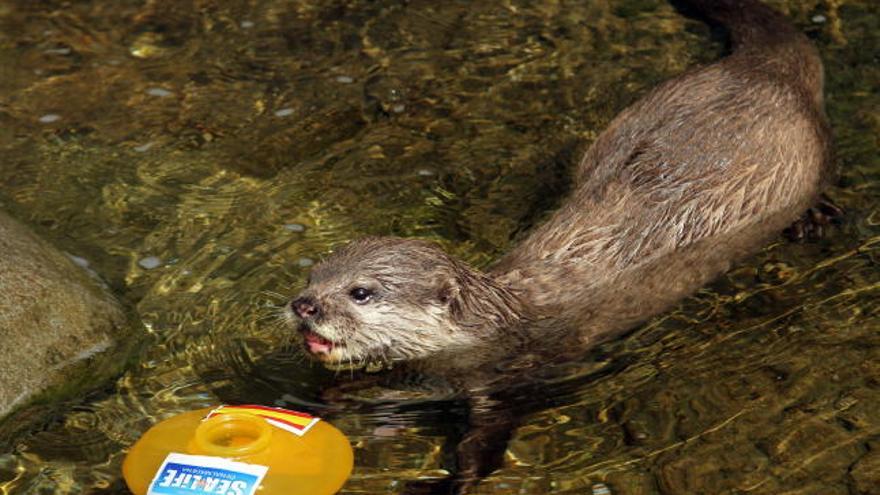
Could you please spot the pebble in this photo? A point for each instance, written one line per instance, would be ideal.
(425, 172)
(144, 147)
(78, 261)
(344, 79)
(146, 48)
(57, 51)
(601, 489)
(247, 24)
(295, 227)
(398, 108)
(386, 431)
(846, 402)
(150, 262)
(160, 92)
(49, 118)
(284, 112)
(819, 18)
(305, 262)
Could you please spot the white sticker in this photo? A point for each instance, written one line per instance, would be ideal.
(183, 474)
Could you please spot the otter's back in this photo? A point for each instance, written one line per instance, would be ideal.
(735, 150)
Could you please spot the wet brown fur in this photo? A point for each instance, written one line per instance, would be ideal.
(704, 169)
(424, 303)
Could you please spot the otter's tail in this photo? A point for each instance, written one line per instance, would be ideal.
(759, 30)
(752, 24)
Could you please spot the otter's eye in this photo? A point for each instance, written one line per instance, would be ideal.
(361, 295)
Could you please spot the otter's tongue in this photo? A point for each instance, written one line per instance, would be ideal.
(318, 344)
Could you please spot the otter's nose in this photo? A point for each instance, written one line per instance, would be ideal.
(305, 308)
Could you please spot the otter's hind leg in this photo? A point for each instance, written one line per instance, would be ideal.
(812, 224)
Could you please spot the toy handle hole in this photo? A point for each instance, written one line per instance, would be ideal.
(233, 435)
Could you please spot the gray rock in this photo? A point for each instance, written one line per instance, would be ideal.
(58, 326)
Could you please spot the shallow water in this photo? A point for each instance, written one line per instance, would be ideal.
(201, 155)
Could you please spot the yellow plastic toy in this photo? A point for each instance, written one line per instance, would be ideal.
(239, 450)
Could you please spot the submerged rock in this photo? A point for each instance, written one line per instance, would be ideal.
(866, 472)
(59, 328)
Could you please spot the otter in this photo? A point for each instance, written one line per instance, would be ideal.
(701, 171)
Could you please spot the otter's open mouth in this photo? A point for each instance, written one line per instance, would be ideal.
(316, 344)
(322, 348)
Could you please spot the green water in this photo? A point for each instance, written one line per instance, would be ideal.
(202, 154)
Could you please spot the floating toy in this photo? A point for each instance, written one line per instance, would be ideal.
(239, 450)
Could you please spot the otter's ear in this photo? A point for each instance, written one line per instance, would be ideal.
(448, 290)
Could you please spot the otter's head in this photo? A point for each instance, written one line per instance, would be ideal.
(385, 299)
